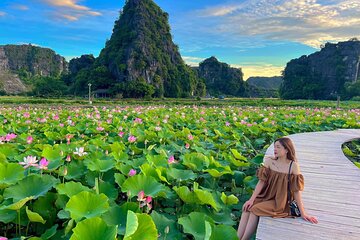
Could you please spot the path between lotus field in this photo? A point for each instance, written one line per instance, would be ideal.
(332, 190)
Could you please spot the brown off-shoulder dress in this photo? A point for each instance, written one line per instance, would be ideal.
(272, 200)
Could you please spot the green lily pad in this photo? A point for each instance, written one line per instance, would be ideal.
(87, 205)
(33, 185)
(97, 165)
(34, 217)
(223, 232)
(194, 224)
(10, 174)
(49, 232)
(229, 200)
(93, 229)
(139, 225)
(196, 161)
(7, 215)
(180, 175)
(71, 188)
(149, 185)
(19, 204)
(117, 215)
(167, 228)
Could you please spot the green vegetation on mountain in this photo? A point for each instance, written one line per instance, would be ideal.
(221, 79)
(331, 72)
(141, 51)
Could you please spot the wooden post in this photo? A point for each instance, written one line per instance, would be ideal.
(338, 102)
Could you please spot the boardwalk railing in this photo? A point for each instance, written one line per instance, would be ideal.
(332, 191)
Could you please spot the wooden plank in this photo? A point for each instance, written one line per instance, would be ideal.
(332, 183)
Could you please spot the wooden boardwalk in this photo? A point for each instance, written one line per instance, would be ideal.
(332, 191)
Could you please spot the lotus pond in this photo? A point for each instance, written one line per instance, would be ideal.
(139, 172)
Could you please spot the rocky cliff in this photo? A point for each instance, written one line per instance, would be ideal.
(141, 49)
(220, 78)
(322, 75)
(18, 62)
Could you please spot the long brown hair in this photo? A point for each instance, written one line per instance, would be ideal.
(289, 146)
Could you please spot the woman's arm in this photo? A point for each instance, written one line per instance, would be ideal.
(247, 205)
(312, 219)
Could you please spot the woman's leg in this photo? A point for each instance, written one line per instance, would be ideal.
(242, 224)
(251, 226)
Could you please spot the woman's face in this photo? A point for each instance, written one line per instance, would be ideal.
(279, 150)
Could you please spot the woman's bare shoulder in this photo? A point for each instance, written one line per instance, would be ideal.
(267, 160)
(295, 168)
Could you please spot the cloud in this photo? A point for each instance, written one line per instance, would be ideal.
(20, 7)
(192, 61)
(310, 22)
(259, 70)
(70, 10)
(2, 14)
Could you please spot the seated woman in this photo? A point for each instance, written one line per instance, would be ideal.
(270, 197)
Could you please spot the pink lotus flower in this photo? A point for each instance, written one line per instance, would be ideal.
(100, 128)
(171, 160)
(227, 124)
(121, 134)
(3, 238)
(68, 158)
(43, 164)
(157, 128)
(187, 146)
(56, 117)
(132, 172)
(190, 137)
(29, 139)
(131, 138)
(138, 120)
(29, 161)
(10, 136)
(144, 200)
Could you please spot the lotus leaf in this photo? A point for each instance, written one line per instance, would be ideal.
(7, 215)
(49, 232)
(54, 157)
(140, 225)
(180, 175)
(93, 229)
(87, 205)
(117, 215)
(167, 228)
(194, 224)
(34, 217)
(10, 174)
(71, 188)
(196, 161)
(223, 232)
(32, 185)
(229, 200)
(98, 165)
(149, 185)
(19, 204)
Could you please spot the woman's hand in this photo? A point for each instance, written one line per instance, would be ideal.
(247, 205)
(308, 218)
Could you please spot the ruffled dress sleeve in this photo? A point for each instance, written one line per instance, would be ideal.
(297, 182)
(263, 173)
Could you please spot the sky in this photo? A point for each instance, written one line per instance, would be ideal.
(258, 36)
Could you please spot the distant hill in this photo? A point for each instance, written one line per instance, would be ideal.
(324, 74)
(265, 82)
(220, 78)
(18, 63)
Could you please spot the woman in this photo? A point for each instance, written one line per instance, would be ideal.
(270, 195)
